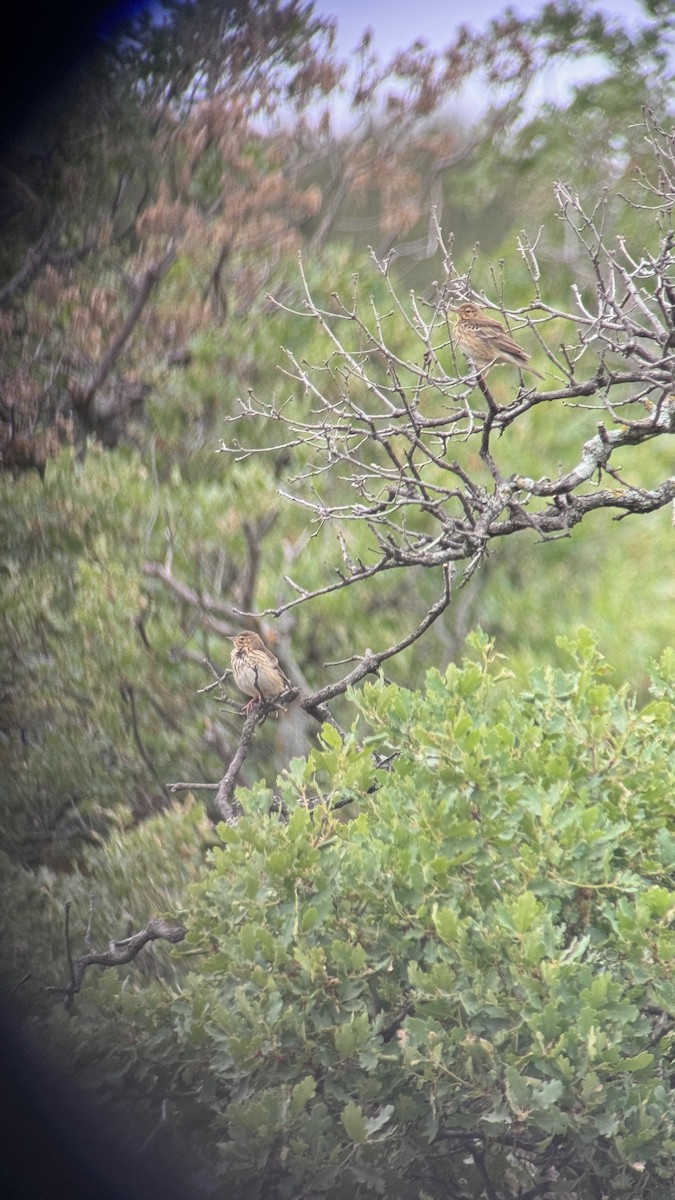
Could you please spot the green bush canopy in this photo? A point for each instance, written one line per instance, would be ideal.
(447, 975)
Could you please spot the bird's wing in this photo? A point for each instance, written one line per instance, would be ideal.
(281, 671)
(491, 330)
(504, 343)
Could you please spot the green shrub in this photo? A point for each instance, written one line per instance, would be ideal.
(469, 984)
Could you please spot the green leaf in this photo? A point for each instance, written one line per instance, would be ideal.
(353, 1121)
(330, 737)
(373, 1124)
(518, 1092)
(299, 822)
(301, 1094)
(525, 912)
(660, 900)
(639, 1062)
(447, 924)
(309, 918)
(549, 1094)
(351, 1036)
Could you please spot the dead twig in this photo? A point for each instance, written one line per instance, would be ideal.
(118, 952)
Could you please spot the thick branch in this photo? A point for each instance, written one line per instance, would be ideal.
(120, 952)
(32, 264)
(224, 796)
(315, 702)
(200, 600)
(597, 451)
(371, 661)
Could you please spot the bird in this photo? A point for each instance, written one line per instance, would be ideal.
(256, 670)
(487, 343)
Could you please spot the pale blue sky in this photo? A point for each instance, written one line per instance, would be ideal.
(396, 23)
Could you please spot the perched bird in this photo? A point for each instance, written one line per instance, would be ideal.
(255, 669)
(485, 342)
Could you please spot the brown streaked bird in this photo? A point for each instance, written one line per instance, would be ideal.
(487, 343)
(255, 669)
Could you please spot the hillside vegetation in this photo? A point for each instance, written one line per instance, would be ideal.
(419, 921)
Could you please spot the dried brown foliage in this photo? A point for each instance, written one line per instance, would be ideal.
(227, 138)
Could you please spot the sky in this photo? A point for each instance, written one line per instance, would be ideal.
(48, 37)
(397, 23)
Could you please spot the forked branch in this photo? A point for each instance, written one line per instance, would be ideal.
(118, 953)
(315, 702)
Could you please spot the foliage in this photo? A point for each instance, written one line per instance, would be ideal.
(384, 429)
(144, 869)
(468, 984)
(211, 136)
(93, 724)
(122, 573)
(434, 954)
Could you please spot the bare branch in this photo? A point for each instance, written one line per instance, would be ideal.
(128, 693)
(32, 264)
(395, 425)
(181, 786)
(597, 452)
(225, 804)
(314, 704)
(371, 660)
(401, 439)
(118, 952)
(213, 609)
